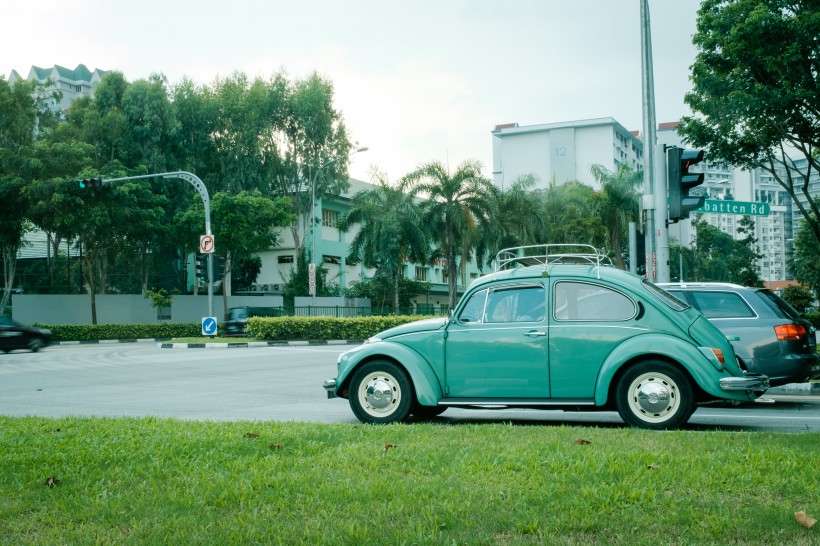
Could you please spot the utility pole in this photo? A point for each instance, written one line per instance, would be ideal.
(653, 203)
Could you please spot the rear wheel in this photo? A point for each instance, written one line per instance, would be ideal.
(380, 392)
(655, 395)
(35, 344)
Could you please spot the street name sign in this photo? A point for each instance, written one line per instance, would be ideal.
(750, 208)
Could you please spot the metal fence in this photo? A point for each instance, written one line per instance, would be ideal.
(344, 311)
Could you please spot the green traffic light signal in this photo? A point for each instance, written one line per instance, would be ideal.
(91, 183)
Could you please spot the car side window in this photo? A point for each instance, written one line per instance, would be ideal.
(505, 304)
(516, 304)
(722, 305)
(473, 310)
(587, 301)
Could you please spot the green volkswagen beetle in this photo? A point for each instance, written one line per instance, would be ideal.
(552, 328)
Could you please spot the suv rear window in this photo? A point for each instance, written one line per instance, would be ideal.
(715, 305)
(778, 304)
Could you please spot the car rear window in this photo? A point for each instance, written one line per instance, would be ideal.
(715, 305)
(777, 304)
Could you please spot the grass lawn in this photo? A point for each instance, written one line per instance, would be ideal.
(158, 481)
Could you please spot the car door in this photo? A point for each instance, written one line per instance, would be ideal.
(496, 347)
(588, 320)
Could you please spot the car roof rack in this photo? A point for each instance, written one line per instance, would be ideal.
(551, 254)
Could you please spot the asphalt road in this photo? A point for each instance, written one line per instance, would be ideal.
(271, 383)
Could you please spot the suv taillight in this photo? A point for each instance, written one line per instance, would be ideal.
(790, 332)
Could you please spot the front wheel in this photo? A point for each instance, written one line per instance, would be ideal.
(380, 392)
(655, 395)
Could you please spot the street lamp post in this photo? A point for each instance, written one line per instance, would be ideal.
(312, 270)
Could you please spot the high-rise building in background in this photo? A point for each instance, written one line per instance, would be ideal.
(72, 84)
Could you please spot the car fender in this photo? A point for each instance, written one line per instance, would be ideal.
(425, 382)
(705, 371)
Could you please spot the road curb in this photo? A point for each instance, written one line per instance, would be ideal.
(239, 344)
(796, 389)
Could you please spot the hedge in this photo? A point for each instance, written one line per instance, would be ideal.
(92, 332)
(314, 328)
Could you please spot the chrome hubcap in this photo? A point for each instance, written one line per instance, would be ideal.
(380, 394)
(654, 397)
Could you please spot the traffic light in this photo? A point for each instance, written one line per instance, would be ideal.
(680, 181)
(202, 267)
(219, 268)
(91, 183)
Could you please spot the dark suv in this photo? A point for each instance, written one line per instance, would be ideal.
(768, 335)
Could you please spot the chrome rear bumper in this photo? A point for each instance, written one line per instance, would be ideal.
(751, 383)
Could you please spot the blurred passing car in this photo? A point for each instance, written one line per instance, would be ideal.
(14, 335)
(552, 328)
(236, 319)
(769, 336)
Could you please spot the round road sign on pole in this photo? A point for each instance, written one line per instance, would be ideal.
(206, 244)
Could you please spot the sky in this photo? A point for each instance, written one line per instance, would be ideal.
(415, 80)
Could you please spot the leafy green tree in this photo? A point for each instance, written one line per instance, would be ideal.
(756, 91)
(309, 150)
(153, 127)
(391, 231)
(518, 219)
(712, 247)
(806, 261)
(742, 263)
(242, 225)
(569, 210)
(379, 290)
(18, 115)
(457, 205)
(798, 297)
(617, 204)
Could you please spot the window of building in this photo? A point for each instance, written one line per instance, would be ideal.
(285, 259)
(333, 259)
(421, 273)
(330, 218)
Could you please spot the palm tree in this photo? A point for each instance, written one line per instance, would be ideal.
(391, 230)
(618, 204)
(458, 205)
(519, 219)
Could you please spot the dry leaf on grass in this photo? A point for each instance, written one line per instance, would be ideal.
(277, 446)
(804, 520)
(582, 442)
(653, 466)
(389, 446)
(251, 435)
(51, 481)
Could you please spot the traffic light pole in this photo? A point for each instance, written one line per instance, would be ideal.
(662, 235)
(206, 201)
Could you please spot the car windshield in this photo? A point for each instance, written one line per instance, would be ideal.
(665, 296)
(778, 304)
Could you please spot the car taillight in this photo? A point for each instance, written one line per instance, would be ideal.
(718, 355)
(790, 332)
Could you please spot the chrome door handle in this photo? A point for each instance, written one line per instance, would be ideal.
(535, 333)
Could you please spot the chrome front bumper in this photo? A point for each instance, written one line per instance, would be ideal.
(751, 383)
(330, 387)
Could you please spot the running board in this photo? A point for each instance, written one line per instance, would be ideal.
(516, 402)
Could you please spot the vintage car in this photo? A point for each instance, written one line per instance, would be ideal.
(552, 328)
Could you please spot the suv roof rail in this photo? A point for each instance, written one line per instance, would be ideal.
(551, 254)
(705, 284)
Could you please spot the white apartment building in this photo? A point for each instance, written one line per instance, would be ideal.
(562, 152)
(72, 84)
